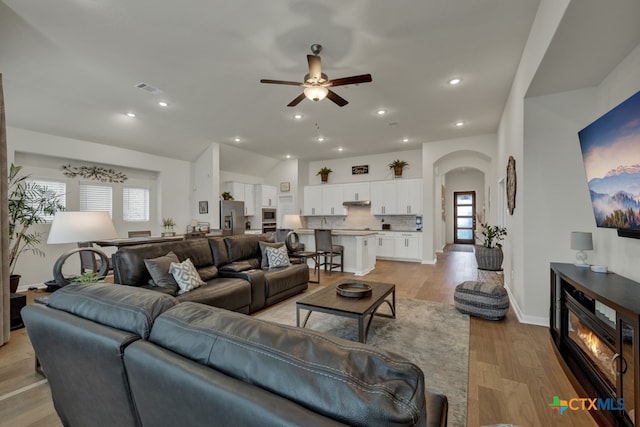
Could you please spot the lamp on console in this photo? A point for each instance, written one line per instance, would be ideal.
(581, 241)
(74, 227)
(292, 222)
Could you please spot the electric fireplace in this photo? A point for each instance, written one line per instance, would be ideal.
(594, 325)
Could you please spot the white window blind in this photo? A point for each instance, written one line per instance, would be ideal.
(57, 187)
(135, 204)
(95, 198)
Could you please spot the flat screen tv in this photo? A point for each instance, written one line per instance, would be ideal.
(611, 153)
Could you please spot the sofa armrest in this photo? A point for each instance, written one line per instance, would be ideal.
(437, 409)
(258, 285)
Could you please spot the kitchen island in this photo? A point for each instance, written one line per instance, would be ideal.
(359, 248)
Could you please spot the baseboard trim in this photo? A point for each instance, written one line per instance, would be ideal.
(523, 318)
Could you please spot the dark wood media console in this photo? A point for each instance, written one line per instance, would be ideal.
(594, 325)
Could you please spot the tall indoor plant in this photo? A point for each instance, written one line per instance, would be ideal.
(29, 204)
(489, 254)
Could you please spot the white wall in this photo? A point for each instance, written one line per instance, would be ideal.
(173, 186)
(206, 187)
(511, 143)
(378, 167)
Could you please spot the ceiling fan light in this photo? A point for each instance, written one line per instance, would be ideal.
(316, 93)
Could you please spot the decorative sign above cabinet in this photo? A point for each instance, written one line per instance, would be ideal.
(359, 170)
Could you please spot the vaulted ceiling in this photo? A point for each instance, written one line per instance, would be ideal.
(70, 68)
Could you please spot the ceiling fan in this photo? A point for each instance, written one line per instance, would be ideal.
(316, 84)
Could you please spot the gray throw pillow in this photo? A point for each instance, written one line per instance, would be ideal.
(159, 270)
(278, 257)
(263, 250)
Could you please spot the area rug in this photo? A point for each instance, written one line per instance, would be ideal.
(432, 335)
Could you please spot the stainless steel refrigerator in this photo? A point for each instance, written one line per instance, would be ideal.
(232, 217)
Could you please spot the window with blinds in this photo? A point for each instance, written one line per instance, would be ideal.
(135, 204)
(96, 198)
(57, 187)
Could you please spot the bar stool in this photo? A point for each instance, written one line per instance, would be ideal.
(325, 248)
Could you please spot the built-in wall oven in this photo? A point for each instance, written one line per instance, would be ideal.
(268, 220)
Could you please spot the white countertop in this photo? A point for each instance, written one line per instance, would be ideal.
(338, 232)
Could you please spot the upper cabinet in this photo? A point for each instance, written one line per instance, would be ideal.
(266, 196)
(312, 200)
(244, 193)
(397, 197)
(357, 191)
(332, 198)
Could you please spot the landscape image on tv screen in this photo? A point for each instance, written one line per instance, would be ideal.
(611, 153)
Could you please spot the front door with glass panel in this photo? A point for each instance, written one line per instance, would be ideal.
(464, 224)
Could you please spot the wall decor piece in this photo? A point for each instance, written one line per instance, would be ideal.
(285, 186)
(203, 207)
(95, 173)
(511, 185)
(360, 170)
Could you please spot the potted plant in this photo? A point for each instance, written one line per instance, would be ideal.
(489, 254)
(397, 166)
(324, 174)
(168, 225)
(29, 204)
(226, 196)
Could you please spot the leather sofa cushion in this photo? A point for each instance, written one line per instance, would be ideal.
(282, 279)
(238, 266)
(245, 246)
(347, 381)
(228, 293)
(123, 307)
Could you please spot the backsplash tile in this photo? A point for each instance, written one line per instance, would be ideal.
(359, 217)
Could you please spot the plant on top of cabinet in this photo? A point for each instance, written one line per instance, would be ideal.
(324, 174)
(226, 196)
(397, 166)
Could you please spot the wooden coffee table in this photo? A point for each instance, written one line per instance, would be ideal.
(328, 301)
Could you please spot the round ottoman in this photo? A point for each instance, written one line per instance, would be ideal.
(481, 299)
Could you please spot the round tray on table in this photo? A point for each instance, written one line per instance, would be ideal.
(354, 290)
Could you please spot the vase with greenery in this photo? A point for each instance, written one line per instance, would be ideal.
(489, 254)
(168, 224)
(226, 196)
(324, 174)
(29, 204)
(397, 166)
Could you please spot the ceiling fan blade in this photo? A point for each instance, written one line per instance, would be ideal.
(281, 82)
(314, 67)
(296, 101)
(363, 78)
(336, 98)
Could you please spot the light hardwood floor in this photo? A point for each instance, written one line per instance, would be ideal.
(513, 371)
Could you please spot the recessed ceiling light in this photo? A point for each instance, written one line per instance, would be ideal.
(163, 103)
(132, 115)
(381, 112)
(459, 124)
(405, 140)
(455, 81)
(236, 139)
(321, 139)
(297, 116)
(288, 156)
(340, 148)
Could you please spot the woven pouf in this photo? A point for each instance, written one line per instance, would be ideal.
(481, 299)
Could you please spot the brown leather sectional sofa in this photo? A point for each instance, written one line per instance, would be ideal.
(231, 265)
(121, 356)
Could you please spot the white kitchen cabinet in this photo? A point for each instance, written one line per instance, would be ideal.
(312, 200)
(243, 193)
(332, 198)
(385, 244)
(383, 198)
(409, 196)
(408, 246)
(356, 191)
(266, 196)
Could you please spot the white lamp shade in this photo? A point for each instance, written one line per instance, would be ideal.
(72, 227)
(316, 93)
(581, 241)
(291, 222)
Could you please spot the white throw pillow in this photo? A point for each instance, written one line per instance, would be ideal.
(278, 257)
(186, 275)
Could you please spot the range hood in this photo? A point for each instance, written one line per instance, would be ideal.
(357, 203)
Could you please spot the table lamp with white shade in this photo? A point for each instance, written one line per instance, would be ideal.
(75, 227)
(581, 241)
